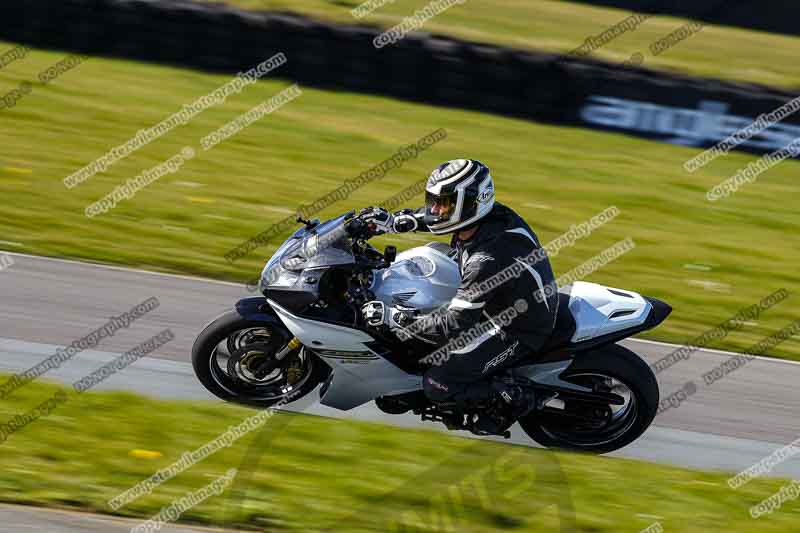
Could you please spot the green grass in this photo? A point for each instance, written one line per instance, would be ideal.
(305, 473)
(554, 176)
(717, 51)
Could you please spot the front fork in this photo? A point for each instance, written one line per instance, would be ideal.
(269, 365)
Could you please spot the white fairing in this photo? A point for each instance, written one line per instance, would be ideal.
(360, 374)
(321, 335)
(600, 310)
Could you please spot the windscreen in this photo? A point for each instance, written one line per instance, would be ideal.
(325, 245)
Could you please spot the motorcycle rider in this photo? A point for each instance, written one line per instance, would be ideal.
(489, 238)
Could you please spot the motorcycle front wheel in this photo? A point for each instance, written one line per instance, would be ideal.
(228, 352)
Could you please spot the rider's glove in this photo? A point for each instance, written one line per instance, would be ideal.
(398, 318)
(385, 222)
(405, 221)
(380, 220)
(374, 313)
(377, 314)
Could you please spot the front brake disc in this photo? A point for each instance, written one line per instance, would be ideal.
(249, 358)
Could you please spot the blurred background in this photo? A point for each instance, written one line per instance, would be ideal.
(576, 106)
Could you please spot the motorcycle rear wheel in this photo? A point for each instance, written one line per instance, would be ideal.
(614, 369)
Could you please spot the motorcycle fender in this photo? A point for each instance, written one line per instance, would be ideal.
(549, 374)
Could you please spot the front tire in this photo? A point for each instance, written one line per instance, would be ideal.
(618, 367)
(228, 337)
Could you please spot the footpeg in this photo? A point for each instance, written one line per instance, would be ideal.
(452, 421)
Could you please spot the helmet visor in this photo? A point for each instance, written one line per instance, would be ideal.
(440, 207)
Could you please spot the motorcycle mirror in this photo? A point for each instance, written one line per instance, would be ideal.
(390, 253)
(309, 224)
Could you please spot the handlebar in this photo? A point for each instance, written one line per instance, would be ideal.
(358, 229)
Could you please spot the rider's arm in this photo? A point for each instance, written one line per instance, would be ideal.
(465, 309)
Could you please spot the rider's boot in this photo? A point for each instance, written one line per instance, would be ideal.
(500, 402)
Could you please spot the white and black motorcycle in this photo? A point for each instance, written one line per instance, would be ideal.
(307, 330)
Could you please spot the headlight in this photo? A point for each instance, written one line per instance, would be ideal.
(294, 258)
(277, 276)
(311, 246)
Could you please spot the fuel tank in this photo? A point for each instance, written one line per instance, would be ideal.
(422, 278)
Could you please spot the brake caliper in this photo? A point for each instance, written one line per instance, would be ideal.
(294, 371)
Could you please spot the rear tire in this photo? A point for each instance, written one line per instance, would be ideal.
(622, 365)
(235, 390)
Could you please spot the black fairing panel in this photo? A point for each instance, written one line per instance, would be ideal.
(255, 308)
(660, 312)
(299, 296)
(292, 300)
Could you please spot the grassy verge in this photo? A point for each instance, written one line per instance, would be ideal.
(707, 260)
(717, 51)
(304, 473)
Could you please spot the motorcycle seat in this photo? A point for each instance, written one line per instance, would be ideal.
(565, 325)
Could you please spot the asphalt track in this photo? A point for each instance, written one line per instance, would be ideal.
(47, 303)
(19, 519)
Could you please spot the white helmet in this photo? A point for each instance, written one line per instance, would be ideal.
(458, 194)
